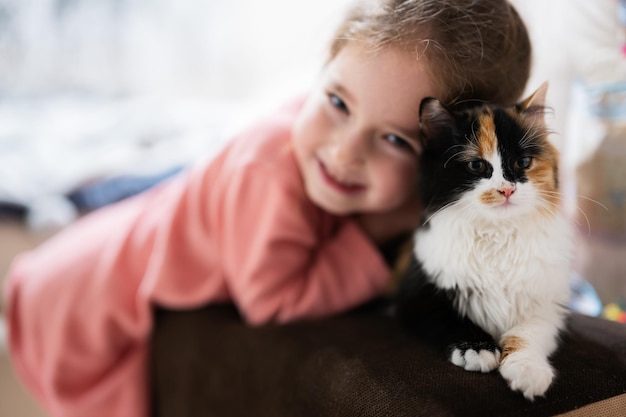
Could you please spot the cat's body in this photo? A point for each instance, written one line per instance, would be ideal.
(493, 255)
(501, 271)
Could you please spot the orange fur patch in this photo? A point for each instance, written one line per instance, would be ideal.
(491, 197)
(487, 141)
(511, 345)
(543, 173)
(544, 169)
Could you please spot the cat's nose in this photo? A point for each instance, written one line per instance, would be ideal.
(507, 190)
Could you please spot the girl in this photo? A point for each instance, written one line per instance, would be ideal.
(286, 222)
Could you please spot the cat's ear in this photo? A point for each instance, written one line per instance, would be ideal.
(435, 120)
(535, 104)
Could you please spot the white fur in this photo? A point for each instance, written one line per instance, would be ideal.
(470, 360)
(503, 271)
(509, 264)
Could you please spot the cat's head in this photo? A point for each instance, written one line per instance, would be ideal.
(487, 160)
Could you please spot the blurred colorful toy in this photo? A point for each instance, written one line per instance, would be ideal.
(614, 312)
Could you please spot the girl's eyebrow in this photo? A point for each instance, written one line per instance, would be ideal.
(341, 90)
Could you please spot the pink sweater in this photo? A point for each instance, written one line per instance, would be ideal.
(236, 229)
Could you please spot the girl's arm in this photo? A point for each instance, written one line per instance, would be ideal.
(80, 307)
(285, 259)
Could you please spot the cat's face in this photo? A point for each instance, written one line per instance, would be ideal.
(488, 161)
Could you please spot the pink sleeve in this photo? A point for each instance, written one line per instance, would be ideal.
(279, 267)
(79, 308)
(79, 345)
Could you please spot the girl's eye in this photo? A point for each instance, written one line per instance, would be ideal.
(523, 162)
(397, 141)
(337, 103)
(477, 166)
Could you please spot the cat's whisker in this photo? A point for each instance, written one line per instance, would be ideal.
(557, 207)
(445, 165)
(552, 208)
(532, 145)
(576, 195)
(527, 138)
(474, 142)
(593, 201)
(578, 208)
(462, 210)
(530, 135)
(546, 206)
(437, 212)
(586, 220)
(469, 210)
(552, 195)
(549, 191)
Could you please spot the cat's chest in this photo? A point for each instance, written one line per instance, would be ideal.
(457, 254)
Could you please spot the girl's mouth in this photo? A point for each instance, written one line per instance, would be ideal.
(344, 187)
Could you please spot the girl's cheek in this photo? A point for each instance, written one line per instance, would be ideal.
(408, 176)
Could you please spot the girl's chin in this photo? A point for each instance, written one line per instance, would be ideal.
(334, 209)
(329, 205)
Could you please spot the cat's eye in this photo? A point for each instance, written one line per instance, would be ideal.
(338, 103)
(477, 166)
(523, 162)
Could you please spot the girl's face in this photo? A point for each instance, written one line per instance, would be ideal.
(356, 139)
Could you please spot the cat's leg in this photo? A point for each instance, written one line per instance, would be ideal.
(430, 314)
(526, 349)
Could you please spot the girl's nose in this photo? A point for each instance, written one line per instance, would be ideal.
(349, 148)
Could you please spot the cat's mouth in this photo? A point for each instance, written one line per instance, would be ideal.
(497, 198)
(501, 202)
(338, 184)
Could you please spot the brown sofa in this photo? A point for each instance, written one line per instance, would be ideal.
(208, 363)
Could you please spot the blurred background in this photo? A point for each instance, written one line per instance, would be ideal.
(100, 99)
(91, 89)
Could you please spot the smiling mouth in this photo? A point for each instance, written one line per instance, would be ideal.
(344, 187)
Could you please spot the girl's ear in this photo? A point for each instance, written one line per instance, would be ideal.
(535, 104)
(435, 120)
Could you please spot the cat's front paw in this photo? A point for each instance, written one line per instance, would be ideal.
(475, 356)
(531, 376)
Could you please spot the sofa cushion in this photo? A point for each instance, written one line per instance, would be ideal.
(363, 363)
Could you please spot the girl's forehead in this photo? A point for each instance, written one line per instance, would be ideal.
(395, 80)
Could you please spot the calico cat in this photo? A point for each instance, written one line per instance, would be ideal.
(491, 259)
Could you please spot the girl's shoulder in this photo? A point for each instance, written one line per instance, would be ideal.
(266, 144)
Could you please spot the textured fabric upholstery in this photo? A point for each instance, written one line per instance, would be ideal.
(208, 363)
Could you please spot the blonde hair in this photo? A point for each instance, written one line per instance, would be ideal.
(474, 49)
